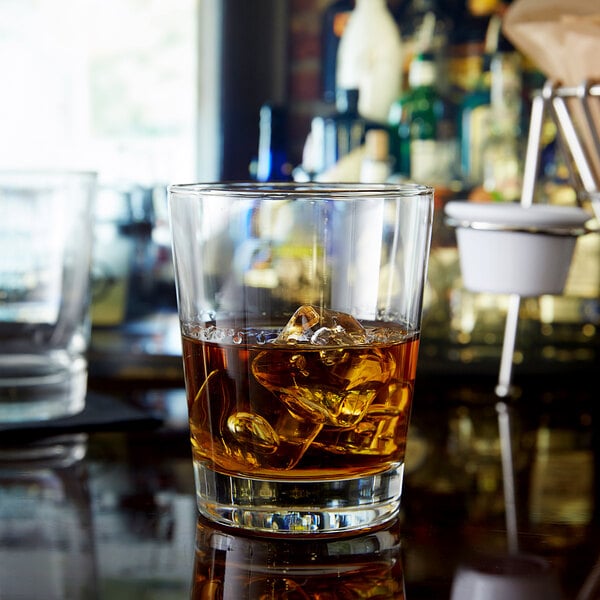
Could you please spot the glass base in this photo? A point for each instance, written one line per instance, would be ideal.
(299, 506)
(38, 388)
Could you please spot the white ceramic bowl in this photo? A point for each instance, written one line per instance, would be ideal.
(512, 249)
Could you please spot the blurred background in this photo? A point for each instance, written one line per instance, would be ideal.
(150, 92)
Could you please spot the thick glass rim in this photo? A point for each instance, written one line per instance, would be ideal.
(281, 190)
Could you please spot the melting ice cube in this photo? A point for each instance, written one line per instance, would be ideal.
(334, 383)
(322, 327)
(336, 393)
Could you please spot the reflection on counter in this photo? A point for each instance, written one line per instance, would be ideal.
(83, 520)
(521, 577)
(46, 534)
(229, 565)
(117, 518)
(144, 518)
(458, 482)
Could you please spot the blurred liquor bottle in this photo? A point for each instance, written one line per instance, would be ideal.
(376, 164)
(334, 20)
(475, 124)
(334, 136)
(426, 25)
(467, 45)
(421, 124)
(491, 124)
(273, 163)
(424, 148)
(370, 58)
(503, 150)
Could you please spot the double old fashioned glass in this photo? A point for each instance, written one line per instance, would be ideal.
(300, 309)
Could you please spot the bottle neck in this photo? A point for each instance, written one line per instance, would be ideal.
(346, 101)
(484, 79)
(422, 73)
(365, 5)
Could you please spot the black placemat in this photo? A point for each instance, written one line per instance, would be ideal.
(103, 412)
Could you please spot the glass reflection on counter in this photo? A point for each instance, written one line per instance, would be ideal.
(232, 566)
(144, 520)
(46, 537)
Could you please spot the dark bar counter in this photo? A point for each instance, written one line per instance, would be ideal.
(101, 505)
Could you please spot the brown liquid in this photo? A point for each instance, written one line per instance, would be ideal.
(299, 411)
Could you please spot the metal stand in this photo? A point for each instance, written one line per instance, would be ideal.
(554, 99)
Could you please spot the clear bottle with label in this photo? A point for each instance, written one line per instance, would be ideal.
(490, 125)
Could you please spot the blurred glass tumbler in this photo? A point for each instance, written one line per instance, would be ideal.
(45, 247)
(300, 309)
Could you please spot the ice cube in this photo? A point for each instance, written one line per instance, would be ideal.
(238, 438)
(381, 432)
(253, 430)
(321, 326)
(277, 445)
(334, 392)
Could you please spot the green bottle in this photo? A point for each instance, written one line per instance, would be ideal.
(420, 138)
